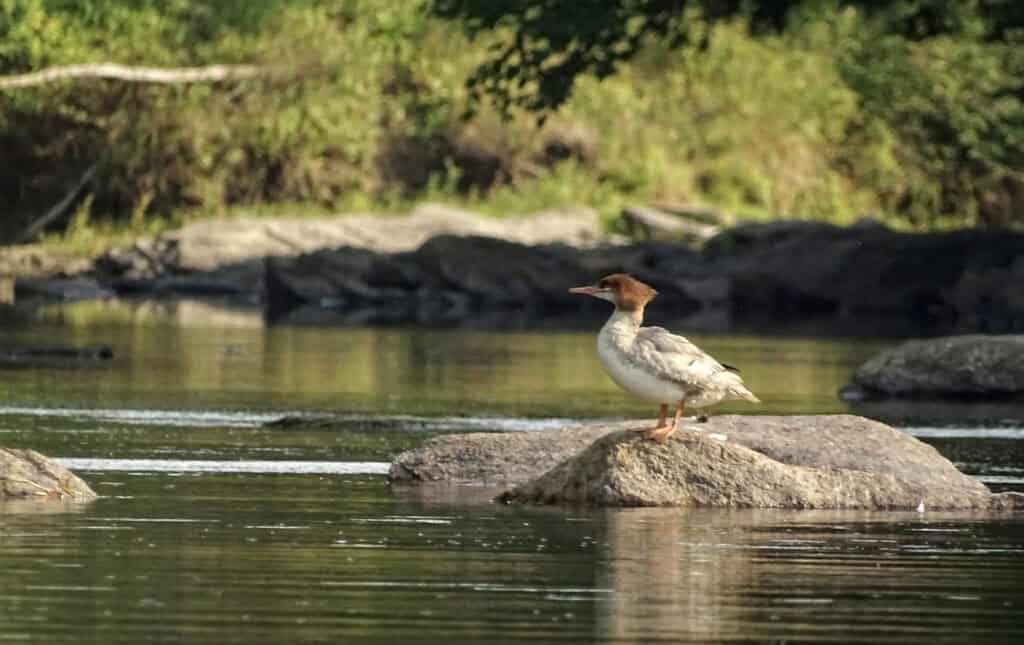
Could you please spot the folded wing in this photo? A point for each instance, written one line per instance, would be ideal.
(677, 359)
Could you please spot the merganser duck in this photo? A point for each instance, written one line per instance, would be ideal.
(654, 364)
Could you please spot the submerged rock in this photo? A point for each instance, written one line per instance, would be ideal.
(804, 462)
(972, 366)
(26, 474)
(19, 356)
(81, 288)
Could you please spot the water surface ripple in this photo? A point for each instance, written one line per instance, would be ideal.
(216, 526)
(273, 558)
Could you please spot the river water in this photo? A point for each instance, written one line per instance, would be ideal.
(216, 528)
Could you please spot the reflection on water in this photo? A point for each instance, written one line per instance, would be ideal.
(213, 466)
(216, 525)
(665, 580)
(923, 412)
(297, 558)
(193, 356)
(706, 576)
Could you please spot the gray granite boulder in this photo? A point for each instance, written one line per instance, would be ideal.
(971, 366)
(28, 475)
(212, 244)
(493, 457)
(799, 462)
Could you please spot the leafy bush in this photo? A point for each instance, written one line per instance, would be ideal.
(307, 131)
(949, 111)
(836, 112)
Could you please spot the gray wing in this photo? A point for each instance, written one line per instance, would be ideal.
(677, 359)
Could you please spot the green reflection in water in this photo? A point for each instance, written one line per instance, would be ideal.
(190, 355)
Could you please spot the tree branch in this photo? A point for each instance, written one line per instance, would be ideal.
(35, 227)
(208, 74)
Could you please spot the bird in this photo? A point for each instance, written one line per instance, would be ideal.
(653, 363)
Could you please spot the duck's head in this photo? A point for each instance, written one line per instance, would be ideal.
(622, 289)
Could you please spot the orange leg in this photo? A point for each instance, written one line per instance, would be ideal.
(661, 434)
(662, 415)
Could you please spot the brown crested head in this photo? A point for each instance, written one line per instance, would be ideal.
(628, 293)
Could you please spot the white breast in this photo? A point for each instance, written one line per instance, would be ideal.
(633, 378)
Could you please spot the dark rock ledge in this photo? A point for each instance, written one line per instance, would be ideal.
(796, 462)
(442, 266)
(28, 475)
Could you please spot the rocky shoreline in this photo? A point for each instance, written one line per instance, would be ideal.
(443, 266)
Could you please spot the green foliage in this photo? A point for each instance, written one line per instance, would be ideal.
(546, 47)
(751, 124)
(950, 110)
(79, 221)
(908, 110)
(936, 135)
(309, 131)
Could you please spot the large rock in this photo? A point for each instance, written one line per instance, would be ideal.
(26, 474)
(957, 280)
(227, 256)
(835, 462)
(213, 244)
(944, 279)
(454, 277)
(972, 366)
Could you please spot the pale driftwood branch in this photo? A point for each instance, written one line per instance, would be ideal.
(49, 216)
(208, 74)
(653, 223)
(698, 213)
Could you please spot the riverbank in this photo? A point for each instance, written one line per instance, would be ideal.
(440, 266)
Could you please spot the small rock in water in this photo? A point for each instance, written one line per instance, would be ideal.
(26, 474)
